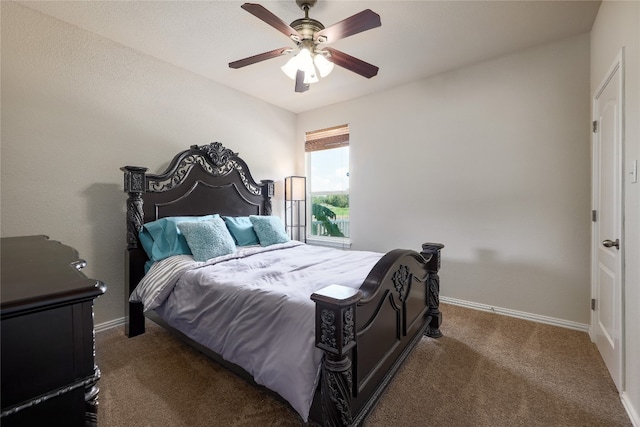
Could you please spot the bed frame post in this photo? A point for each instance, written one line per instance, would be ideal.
(431, 252)
(268, 190)
(135, 186)
(335, 335)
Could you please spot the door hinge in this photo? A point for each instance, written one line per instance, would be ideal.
(593, 304)
(594, 215)
(594, 126)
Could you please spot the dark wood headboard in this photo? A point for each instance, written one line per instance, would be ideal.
(202, 180)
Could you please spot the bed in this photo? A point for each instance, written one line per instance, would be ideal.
(359, 314)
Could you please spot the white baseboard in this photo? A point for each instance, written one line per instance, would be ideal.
(108, 325)
(518, 314)
(453, 301)
(628, 405)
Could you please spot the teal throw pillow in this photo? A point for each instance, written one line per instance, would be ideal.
(208, 239)
(270, 229)
(161, 239)
(241, 229)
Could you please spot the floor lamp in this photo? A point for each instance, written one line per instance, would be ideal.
(295, 207)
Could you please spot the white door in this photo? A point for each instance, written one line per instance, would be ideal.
(607, 245)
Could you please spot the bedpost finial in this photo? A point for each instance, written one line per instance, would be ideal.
(134, 179)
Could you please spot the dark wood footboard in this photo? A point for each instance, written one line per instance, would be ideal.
(366, 334)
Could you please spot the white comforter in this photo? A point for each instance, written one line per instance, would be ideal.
(254, 308)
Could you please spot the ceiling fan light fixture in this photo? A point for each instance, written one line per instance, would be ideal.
(324, 66)
(302, 61)
(312, 62)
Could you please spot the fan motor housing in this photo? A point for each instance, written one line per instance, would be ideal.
(307, 27)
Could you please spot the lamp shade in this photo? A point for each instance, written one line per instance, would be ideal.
(305, 61)
(325, 67)
(291, 67)
(295, 188)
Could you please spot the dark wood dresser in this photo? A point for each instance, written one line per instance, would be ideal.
(49, 377)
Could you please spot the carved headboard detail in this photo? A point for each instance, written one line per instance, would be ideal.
(206, 170)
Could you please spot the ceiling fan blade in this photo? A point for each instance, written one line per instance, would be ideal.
(363, 21)
(351, 63)
(262, 13)
(300, 84)
(259, 57)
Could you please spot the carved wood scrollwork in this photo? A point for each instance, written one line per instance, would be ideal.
(328, 328)
(268, 190)
(401, 280)
(336, 386)
(336, 372)
(268, 209)
(243, 176)
(217, 153)
(134, 185)
(176, 178)
(135, 218)
(434, 289)
(214, 158)
(335, 335)
(431, 251)
(348, 326)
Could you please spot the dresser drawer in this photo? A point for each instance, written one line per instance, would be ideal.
(64, 410)
(45, 351)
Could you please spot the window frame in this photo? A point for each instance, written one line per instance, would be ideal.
(320, 140)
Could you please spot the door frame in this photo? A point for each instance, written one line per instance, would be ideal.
(618, 64)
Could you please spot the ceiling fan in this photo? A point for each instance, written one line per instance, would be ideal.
(308, 34)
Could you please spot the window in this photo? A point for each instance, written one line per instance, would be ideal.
(328, 171)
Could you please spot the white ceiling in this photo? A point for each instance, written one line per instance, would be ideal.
(417, 39)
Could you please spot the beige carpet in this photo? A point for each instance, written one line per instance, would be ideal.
(488, 370)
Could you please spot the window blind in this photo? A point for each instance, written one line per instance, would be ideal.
(325, 139)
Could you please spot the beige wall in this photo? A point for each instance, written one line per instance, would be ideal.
(492, 160)
(617, 26)
(77, 107)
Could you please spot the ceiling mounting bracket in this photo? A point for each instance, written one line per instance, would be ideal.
(305, 5)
